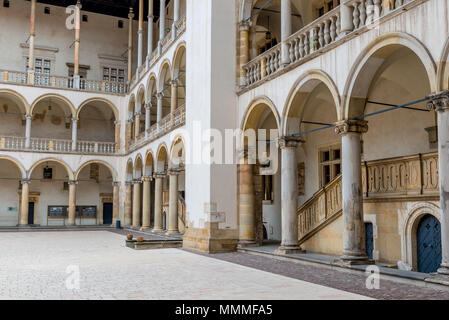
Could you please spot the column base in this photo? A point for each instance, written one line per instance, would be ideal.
(210, 239)
(439, 277)
(246, 244)
(157, 230)
(283, 250)
(354, 261)
(169, 232)
(145, 228)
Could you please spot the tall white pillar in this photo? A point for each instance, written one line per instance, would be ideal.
(28, 131)
(289, 196)
(115, 202)
(146, 203)
(76, 76)
(160, 97)
(130, 44)
(74, 133)
(173, 203)
(158, 202)
(176, 14)
(140, 37)
(32, 37)
(162, 20)
(352, 191)
(23, 221)
(136, 204)
(147, 119)
(286, 29)
(440, 103)
(150, 27)
(72, 202)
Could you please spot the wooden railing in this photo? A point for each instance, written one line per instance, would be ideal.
(401, 177)
(319, 34)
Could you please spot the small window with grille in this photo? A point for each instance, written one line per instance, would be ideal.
(330, 164)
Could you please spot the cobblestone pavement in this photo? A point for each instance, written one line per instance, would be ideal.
(44, 265)
(333, 278)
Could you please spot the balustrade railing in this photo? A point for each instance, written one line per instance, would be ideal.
(12, 143)
(401, 177)
(15, 77)
(95, 147)
(318, 35)
(48, 144)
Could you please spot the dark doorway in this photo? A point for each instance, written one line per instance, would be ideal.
(107, 213)
(31, 213)
(429, 244)
(369, 240)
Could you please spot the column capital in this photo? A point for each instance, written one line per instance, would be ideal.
(148, 105)
(28, 116)
(128, 183)
(150, 16)
(72, 182)
(116, 183)
(25, 181)
(131, 13)
(117, 122)
(351, 126)
(137, 181)
(137, 114)
(79, 5)
(290, 142)
(174, 171)
(75, 119)
(244, 25)
(160, 95)
(147, 178)
(159, 175)
(174, 83)
(439, 101)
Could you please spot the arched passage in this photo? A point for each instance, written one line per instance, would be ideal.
(164, 92)
(13, 111)
(151, 100)
(179, 77)
(177, 190)
(11, 175)
(140, 110)
(94, 114)
(161, 189)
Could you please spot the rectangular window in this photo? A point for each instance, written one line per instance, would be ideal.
(114, 78)
(330, 164)
(6, 3)
(42, 71)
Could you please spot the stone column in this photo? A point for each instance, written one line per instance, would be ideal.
(440, 103)
(28, 131)
(76, 67)
(136, 204)
(173, 203)
(115, 202)
(289, 195)
(24, 203)
(130, 44)
(117, 135)
(136, 125)
(286, 29)
(150, 27)
(346, 19)
(32, 37)
(72, 202)
(247, 216)
(146, 203)
(244, 49)
(128, 134)
(147, 119)
(160, 97)
(174, 96)
(74, 133)
(162, 20)
(140, 37)
(158, 203)
(176, 14)
(128, 203)
(352, 191)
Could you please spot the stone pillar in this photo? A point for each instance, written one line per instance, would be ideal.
(150, 27)
(244, 49)
(147, 119)
(76, 67)
(352, 191)
(346, 19)
(247, 216)
(137, 125)
(289, 195)
(74, 133)
(136, 204)
(72, 202)
(174, 96)
(130, 44)
(162, 20)
(128, 203)
(117, 135)
(140, 37)
(32, 37)
(115, 202)
(286, 29)
(159, 96)
(128, 134)
(440, 103)
(176, 14)
(173, 203)
(146, 203)
(28, 131)
(158, 203)
(24, 203)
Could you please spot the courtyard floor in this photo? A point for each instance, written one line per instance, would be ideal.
(45, 265)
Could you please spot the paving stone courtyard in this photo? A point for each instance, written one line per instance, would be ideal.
(46, 265)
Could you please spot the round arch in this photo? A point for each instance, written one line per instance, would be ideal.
(443, 69)
(138, 167)
(164, 70)
(107, 165)
(61, 162)
(131, 104)
(129, 170)
(308, 82)
(149, 163)
(140, 97)
(246, 7)
(106, 101)
(19, 99)
(392, 39)
(17, 163)
(161, 157)
(151, 87)
(261, 100)
(175, 150)
(409, 228)
(179, 52)
(55, 96)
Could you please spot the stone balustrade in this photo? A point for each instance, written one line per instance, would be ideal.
(395, 178)
(320, 35)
